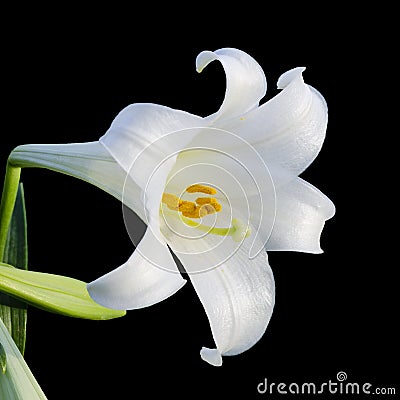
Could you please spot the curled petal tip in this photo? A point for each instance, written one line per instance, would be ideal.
(212, 356)
(290, 76)
(203, 59)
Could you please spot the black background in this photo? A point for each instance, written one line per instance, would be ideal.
(66, 74)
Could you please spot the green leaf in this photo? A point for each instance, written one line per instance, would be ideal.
(18, 382)
(14, 312)
(3, 360)
(54, 293)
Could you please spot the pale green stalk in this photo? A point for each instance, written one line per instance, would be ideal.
(8, 197)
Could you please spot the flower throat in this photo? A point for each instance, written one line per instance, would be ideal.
(201, 207)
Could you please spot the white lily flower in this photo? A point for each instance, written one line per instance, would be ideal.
(216, 190)
(17, 382)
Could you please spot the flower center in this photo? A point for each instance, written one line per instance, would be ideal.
(201, 207)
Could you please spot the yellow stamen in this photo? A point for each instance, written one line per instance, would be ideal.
(188, 209)
(192, 210)
(199, 209)
(207, 209)
(197, 188)
(210, 201)
(195, 213)
(171, 201)
(204, 206)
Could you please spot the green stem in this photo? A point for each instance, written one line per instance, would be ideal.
(8, 197)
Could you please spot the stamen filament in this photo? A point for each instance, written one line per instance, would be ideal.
(238, 230)
(189, 210)
(206, 228)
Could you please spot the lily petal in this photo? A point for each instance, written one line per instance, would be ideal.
(301, 212)
(138, 127)
(148, 277)
(238, 298)
(289, 129)
(238, 295)
(90, 162)
(245, 81)
(135, 141)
